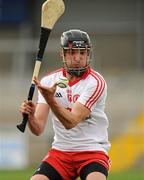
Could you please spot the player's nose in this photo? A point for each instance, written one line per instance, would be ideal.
(76, 56)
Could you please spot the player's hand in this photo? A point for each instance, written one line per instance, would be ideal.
(47, 92)
(28, 107)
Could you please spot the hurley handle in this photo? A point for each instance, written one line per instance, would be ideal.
(23, 124)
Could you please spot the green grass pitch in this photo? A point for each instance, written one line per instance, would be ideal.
(26, 174)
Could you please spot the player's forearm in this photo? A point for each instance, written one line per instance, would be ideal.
(35, 126)
(66, 117)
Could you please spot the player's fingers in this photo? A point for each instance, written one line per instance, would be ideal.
(31, 108)
(39, 86)
(44, 90)
(27, 110)
(23, 109)
(30, 103)
(36, 81)
(27, 107)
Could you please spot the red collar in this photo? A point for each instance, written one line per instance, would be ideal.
(71, 83)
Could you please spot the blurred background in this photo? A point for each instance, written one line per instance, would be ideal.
(116, 28)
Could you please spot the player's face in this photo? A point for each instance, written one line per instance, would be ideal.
(76, 58)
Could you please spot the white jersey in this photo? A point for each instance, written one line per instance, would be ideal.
(91, 91)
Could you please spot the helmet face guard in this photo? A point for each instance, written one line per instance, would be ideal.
(76, 40)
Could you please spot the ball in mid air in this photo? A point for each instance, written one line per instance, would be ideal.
(63, 82)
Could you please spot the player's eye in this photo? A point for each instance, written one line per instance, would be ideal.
(82, 51)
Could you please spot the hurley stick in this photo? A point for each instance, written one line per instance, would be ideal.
(51, 12)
